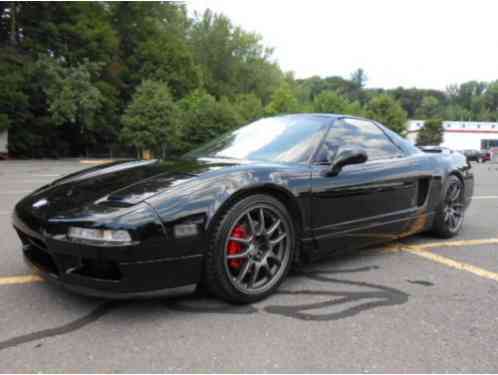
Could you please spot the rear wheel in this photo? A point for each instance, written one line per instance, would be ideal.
(250, 250)
(449, 219)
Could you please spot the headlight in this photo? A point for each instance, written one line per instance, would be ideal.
(99, 235)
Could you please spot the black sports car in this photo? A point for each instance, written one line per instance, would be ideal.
(236, 213)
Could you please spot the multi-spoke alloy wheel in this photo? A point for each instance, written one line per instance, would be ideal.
(251, 250)
(453, 206)
(450, 218)
(257, 249)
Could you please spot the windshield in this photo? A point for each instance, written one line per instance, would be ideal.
(288, 139)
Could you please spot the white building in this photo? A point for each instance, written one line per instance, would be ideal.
(462, 135)
(3, 141)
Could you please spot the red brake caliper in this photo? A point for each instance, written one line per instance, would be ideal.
(235, 247)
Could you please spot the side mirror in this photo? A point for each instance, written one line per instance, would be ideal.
(346, 156)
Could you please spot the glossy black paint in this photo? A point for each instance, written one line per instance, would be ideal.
(362, 204)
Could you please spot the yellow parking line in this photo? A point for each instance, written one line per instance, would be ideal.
(486, 241)
(21, 279)
(421, 251)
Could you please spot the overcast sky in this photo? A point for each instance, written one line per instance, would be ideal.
(417, 43)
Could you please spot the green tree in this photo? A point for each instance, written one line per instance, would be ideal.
(359, 77)
(388, 112)
(463, 94)
(99, 53)
(455, 112)
(169, 60)
(490, 100)
(23, 107)
(232, 60)
(151, 120)
(355, 109)
(248, 106)
(282, 101)
(69, 34)
(154, 45)
(72, 96)
(331, 102)
(431, 133)
(73, 31)
(204, 118)
(429, 108)
(13, 99)
(4, 122)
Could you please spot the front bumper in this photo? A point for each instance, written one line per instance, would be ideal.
(106, 272)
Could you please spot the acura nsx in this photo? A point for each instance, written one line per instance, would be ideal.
(236, 213)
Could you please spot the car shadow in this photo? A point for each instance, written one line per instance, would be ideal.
(334, 294)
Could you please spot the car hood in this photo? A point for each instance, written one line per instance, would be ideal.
(113, 187)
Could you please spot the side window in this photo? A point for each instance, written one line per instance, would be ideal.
(348, 132)
(401, 142)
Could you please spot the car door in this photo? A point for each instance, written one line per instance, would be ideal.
(364, 203)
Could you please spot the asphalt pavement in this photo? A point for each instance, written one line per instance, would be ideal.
(422, 304)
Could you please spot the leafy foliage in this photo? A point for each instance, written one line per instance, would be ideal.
(4, 122)
(248, 106)
(331, 102)
(203, 117)
(429, 107)
(150, 122)
(13, 98)
(431, 133)
(81, 78)
(282, 101)
(72, 96)
(388, 112)
(232, 60)
(359, 77)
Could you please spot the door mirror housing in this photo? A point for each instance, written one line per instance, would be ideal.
(346, 156)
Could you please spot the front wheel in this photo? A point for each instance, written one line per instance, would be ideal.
(449, 219)
(251, 250)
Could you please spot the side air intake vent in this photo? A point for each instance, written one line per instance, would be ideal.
(423, 190)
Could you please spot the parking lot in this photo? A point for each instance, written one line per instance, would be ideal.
(422, 304)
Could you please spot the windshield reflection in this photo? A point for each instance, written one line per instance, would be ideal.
(288, 139)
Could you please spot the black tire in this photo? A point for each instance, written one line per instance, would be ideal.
(449, 217)
(221, 278)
